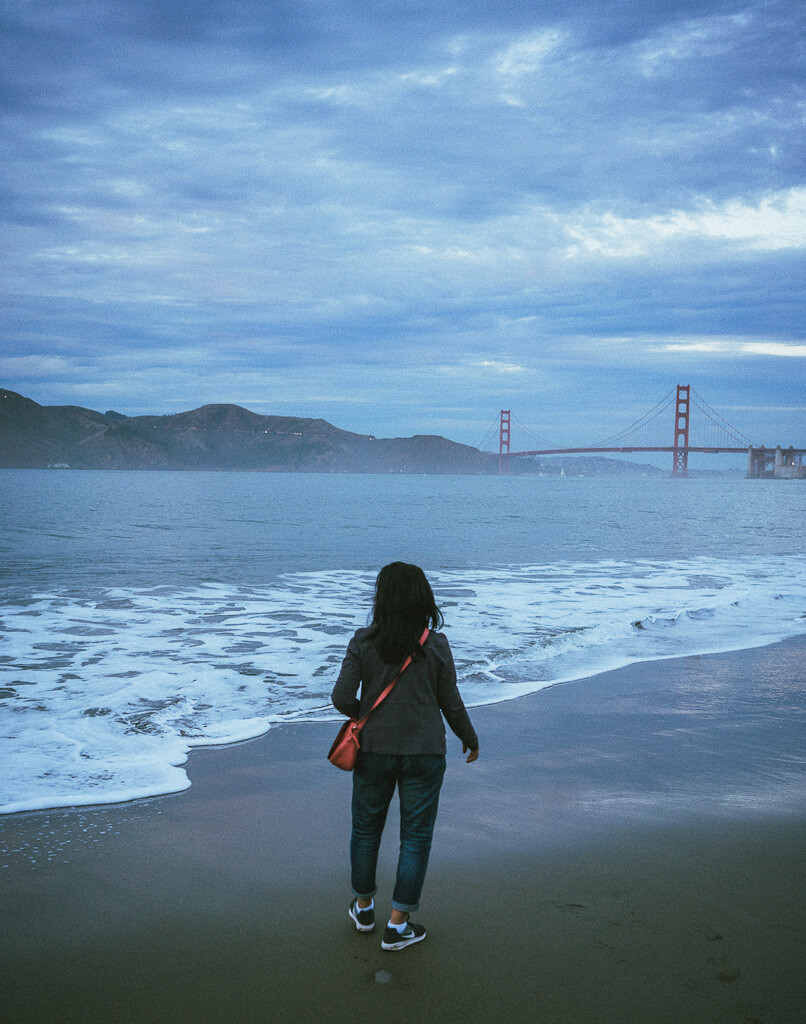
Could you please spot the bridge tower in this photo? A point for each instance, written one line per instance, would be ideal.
(503, 442)
(681, 430)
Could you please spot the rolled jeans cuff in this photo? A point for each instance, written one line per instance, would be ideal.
(407, 908)
(365, 895)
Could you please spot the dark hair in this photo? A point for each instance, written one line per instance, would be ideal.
(404, 605)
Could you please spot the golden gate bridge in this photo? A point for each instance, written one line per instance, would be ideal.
(713, 434)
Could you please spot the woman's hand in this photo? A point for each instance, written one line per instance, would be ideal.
(472, 755)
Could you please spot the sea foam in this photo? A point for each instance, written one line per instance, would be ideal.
(104, 692)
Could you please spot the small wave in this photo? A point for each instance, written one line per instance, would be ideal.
(102, 693)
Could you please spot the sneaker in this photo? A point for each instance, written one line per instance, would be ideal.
(364, 920)
(393, 939)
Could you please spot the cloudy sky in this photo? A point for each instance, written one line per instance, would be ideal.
(403, 216)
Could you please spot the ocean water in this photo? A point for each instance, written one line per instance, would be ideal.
(144, 614)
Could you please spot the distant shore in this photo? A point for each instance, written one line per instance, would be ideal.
(226, 437)
(628, 848)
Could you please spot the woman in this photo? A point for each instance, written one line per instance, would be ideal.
(402, 743)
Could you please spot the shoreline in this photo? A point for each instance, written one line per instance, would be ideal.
(193, 750)
(627, 848)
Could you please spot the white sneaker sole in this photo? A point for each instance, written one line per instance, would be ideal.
(359, 926)
(394, 946)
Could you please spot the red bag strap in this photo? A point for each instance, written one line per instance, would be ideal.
(388, 689)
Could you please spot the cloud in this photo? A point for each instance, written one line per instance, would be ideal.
(497, 366)
(320, 203)
(522, 59)
(33, 367)
(693, 41)
(739, 347)
(773, 222)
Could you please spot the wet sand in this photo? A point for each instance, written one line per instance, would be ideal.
(628, 848)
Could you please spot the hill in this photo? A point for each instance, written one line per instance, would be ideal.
(214, 437)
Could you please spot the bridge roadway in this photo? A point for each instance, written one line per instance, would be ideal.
(668, 448)
(761, 462)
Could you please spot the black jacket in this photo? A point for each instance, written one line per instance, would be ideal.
(409, 720)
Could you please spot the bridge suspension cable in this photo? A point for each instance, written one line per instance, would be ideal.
(531, 434)
(640, 424)
(720, 423)
(490, 440)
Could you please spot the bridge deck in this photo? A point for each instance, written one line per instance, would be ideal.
(579, 451)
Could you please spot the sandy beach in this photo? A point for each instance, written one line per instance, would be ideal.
(628, 848)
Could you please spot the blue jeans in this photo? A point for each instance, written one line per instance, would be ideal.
(418, 779)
